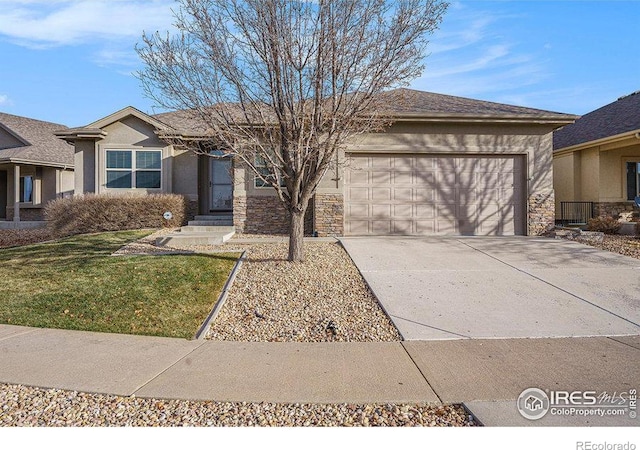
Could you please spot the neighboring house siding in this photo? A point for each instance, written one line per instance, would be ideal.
(595, 174)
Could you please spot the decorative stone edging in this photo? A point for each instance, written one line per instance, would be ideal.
(222, 298)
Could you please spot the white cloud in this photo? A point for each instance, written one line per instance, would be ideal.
(46, 23)
(4, 100)
(476, 56)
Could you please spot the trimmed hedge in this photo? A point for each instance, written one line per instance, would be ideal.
(93, 213)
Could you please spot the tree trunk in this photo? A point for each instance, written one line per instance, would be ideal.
(296, 236)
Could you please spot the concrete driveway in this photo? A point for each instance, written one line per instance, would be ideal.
(500, 287)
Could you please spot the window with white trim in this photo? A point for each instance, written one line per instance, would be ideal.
(633, 180)
(134, 169)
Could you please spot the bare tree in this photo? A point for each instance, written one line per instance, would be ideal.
(283, 84)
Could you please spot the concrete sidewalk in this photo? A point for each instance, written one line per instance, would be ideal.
(486, 375)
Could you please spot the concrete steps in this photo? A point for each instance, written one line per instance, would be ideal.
(204, 230)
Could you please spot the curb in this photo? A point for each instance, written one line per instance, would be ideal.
(202, 331)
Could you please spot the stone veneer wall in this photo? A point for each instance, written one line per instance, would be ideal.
(26, 214)
(265, 215)
(329, 214)
(612, 209)
(239, 213)
(542, 213)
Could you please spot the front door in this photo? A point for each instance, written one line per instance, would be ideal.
(3, 194)
(220, 184)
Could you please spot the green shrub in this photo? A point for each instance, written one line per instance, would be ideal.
(92, 213)
(605, 224)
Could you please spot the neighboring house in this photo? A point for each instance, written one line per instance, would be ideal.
(597, 159)
(35, 167)
(447, 165)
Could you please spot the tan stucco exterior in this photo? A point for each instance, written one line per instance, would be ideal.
(594, 172)
(185, 173)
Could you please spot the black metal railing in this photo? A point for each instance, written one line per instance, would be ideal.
(576, 213)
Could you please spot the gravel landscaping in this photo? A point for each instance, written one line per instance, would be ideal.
(323, 299)
(12, 238)
(624, 245)
(29, 406)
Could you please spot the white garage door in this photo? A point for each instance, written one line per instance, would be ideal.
(428, 194)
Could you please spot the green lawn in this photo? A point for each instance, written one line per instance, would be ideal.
(74, 284)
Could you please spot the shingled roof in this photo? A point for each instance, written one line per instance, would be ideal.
(35, 142)
(621, 116)
(411, 104)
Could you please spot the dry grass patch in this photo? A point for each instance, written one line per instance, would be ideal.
(75, 284)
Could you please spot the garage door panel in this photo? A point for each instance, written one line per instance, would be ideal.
(425, 227)
(403, 178)
(446, 226)
(359, 177)
(425, 211)
(403, 211)
(378, 177)
(422, 194)
(446, 196)
(380, 194)
(405, 163)
(379, 227)
(403, 227)
(358, 210)
(381, 211)
(381, 162)
(466, 196)
(425, 179)
(402, 195)
(423, 164)
(358, 194)
(447, 179)
(358, 227)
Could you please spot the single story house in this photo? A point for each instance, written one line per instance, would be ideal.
(447, 165)
(596, 160)
(35, 167)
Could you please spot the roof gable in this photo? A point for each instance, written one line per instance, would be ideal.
(614, 119)
(124, 113)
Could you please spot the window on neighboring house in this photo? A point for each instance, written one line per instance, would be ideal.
(633, 180)
(266, 171)
(134, 169)
(26, 189)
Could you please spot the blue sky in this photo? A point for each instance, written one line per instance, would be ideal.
(71, 61)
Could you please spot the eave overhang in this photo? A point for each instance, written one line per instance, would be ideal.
(631, 136)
